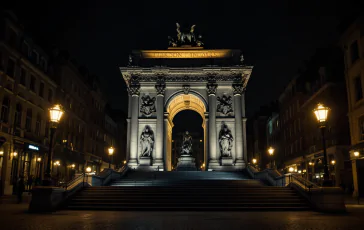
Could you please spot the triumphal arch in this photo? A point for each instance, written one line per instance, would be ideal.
(161, 83)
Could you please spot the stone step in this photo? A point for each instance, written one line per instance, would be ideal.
(191, 204)
(191, 208)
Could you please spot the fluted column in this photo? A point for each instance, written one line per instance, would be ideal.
(211, 92)
(238, 91)
(134, 93)
(245, 148)
(160, 120)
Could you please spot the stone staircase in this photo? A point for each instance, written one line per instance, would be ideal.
(187, 191)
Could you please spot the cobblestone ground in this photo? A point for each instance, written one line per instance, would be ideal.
(16, 217)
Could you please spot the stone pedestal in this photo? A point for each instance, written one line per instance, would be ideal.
(226, 161)
(145, 161)
(186, 163)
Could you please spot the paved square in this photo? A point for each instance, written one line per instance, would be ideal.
(16, 217)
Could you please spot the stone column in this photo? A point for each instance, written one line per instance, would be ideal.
(245, 147)
(211, 92)
(238, 91)
(134, 92)
(159, 129)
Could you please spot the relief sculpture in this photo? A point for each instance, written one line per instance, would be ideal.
(224, 104)
(148, 105)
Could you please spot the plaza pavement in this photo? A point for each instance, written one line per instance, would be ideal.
(15, 216)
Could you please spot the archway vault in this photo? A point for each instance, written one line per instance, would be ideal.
(186, 102)
(177, 104)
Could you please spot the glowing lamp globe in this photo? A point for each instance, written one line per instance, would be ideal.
(111, 151)
(56, 113)
(88, 169)
(321, 113)
(271, 151)
(254, 161)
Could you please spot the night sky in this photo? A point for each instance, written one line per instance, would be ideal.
(274, 36)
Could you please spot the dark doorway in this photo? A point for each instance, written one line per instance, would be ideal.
(191, 121)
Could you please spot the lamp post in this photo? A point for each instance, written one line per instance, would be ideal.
(111, 152)
(55, 114)
(271, 152)
(321, 113)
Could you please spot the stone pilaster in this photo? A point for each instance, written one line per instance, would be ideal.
(134, 118)
(238, 91)
(158, 161)
(245, 147)
(211, 92)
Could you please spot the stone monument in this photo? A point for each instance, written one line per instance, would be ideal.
(186, 162)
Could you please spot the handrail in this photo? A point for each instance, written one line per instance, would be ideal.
(74, 182)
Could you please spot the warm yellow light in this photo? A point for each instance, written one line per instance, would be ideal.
(291, 169)
(56, 113)
(124, 162)
(88, 169)
(203, 165)
(271, 151)
(304, 170)
(295, 170)
(356, 153)
(321, 113)
(333, 162)
(39, 159)
(200, 140)
(299, 171)
(1, 153)
(73, 166)
(57, 163)
(15, 154)
(254, 161)
(310, 163)
(111, 150)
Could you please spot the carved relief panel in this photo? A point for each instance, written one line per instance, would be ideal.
(224, 104)
(147, 106)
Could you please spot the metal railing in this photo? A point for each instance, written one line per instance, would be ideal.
(74, 182)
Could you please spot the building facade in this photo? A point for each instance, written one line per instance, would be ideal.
(30, 83)
(321, 82)
(352, 43)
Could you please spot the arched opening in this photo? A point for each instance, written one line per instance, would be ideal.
(191, 121)
(174, 106)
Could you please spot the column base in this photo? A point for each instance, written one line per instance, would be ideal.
(145, 161)
(159, 164)
(226, 161)
(133, 163)
(240, 163)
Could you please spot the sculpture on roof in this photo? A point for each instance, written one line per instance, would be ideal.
(185, 38)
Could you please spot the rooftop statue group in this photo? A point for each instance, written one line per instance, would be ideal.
(184, 38)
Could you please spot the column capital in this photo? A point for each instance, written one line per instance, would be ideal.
(238, 89)
(134, 89)
(211, 89)
(161, 89)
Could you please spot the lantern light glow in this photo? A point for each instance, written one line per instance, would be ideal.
(56, 113)
(321, 113)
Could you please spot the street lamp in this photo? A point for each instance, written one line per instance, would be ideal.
(111, 152)
(356, 154)
(55, 115)
(254, 161)
(271, 152)
(321, 113)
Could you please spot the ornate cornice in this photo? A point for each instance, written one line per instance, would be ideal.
(211, 89)
(238, 89)
(134, 89)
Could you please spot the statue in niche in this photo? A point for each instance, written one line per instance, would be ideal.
(224, 104)
(148, 105)
(185, 38)
(146, 142)
(225, 140)
(186, 144)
